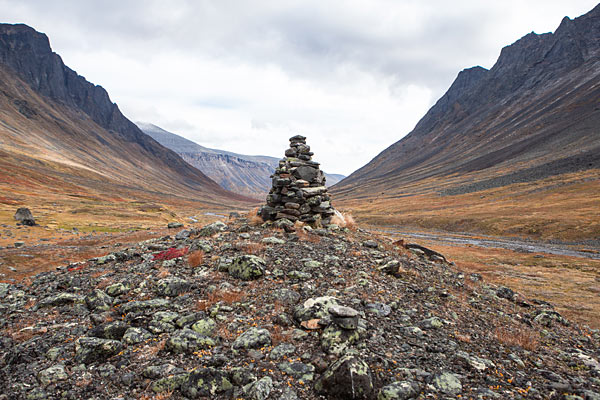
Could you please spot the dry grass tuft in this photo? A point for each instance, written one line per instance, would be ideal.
(253, 218)
(220, 296)
(462, 338)
(305, 236)
(344, 220)
(149, 351)
(519, 336)
(196, 258)
(225, 333)
(251, 247)
(163, 273)
(278, 335)
(159, 396)
(105, 282)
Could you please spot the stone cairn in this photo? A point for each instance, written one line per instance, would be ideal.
(298, 192)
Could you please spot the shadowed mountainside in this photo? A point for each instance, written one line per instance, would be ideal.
(61, 134)
(533, 117)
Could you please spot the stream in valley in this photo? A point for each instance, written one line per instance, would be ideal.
(584, 250)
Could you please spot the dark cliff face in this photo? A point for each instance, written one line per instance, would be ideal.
(539, 86)
(28, 54)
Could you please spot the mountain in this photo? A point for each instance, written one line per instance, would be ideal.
(61, 134)
(533, 117)
(248, 175)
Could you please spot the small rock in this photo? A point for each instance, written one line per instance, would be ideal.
(98, 301)
(172, 287)
(174, 225)
(347, 378)
(401, 390)
(259, 390)
(90, 349)
(52, 375)
(205, 382)
(253, 338)
(272, 240)
(188, 341)
(136, 335)
(247, 267)
(282, 350)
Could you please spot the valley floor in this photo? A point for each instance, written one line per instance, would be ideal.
(564, 274)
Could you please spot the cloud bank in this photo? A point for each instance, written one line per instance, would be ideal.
(353, 76)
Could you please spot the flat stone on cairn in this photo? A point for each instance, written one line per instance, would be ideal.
(298, 192)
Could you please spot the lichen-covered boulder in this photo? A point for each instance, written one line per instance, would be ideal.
(169, 383)
(314, 308)
(136, 335)
(205, 326)
(188, 341)
(401, 390)
(144, 305)
(206, 382)
(61, 299)
(110, 330)
(447, 383)
(336, 340)
(90, 349)
(297, 370)
(52, 375)
(172, 287)
(98, 301)
(253, 338)
(347, 378)
(247, 267)
(260, 389)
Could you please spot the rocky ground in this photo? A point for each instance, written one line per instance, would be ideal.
(239, 311)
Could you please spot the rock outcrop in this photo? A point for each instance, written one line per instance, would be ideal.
(298, 192)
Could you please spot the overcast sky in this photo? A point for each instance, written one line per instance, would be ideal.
(354, 76)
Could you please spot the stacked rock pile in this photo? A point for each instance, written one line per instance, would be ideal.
(298, 192)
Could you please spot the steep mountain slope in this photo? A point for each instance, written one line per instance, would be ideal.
(533, 117)
(61, 134)
(248, 175)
